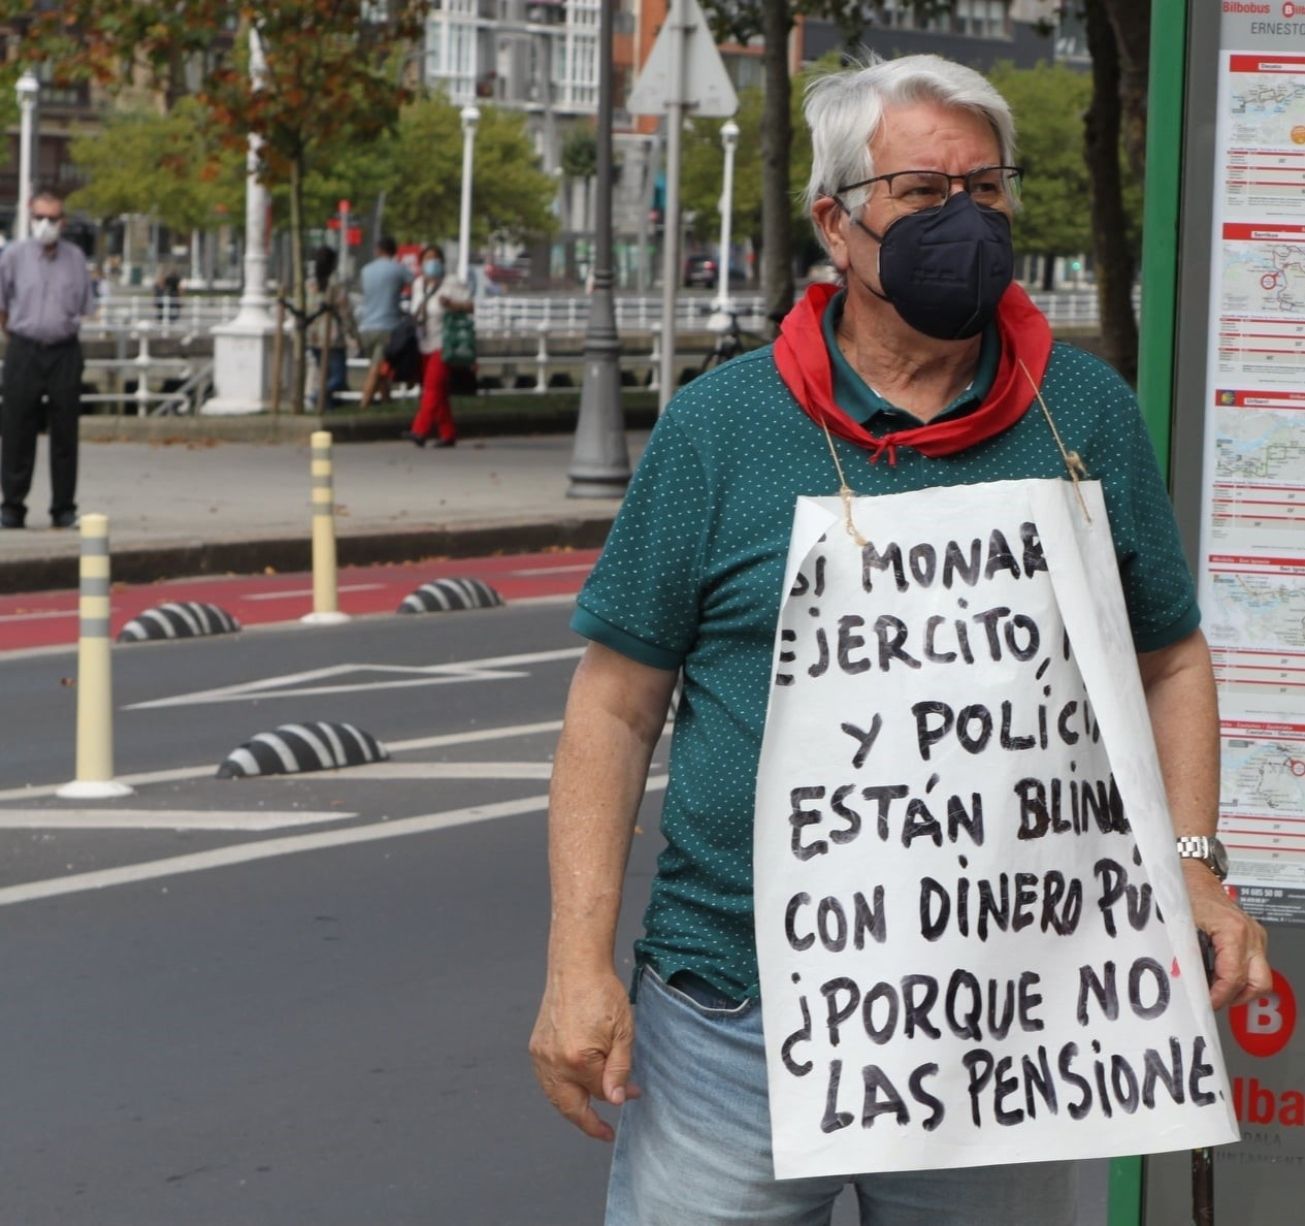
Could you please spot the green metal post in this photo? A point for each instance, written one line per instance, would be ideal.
(1155, 383)
(1164, 129)
(1124, 1207)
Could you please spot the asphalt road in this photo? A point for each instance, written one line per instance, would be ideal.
(267, 1002)
(331, 1034)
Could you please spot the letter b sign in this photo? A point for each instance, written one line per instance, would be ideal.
(1264, 1026)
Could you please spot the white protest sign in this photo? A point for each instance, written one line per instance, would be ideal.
(974, 943)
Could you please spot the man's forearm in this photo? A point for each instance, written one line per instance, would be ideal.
(614, 717)
(1181, 701)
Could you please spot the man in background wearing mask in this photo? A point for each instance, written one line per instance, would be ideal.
(920, 370)
(45, 291)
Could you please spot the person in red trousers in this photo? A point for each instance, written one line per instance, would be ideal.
(433, 294)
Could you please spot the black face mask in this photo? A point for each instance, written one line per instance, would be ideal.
(945, 269)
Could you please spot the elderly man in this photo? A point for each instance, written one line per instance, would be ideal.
(45, 290)
(919, 362)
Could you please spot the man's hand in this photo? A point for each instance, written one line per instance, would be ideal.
(1241, 964)
(581, 1048)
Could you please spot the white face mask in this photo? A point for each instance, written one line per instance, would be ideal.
(46, 230)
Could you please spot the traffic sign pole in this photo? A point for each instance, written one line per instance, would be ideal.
(683, 71)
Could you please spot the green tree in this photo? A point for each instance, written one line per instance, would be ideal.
(511, 194)
(580, 154)
(172, 165)
(1119, 40)
(741, 21)
(1049, 103)
(701, 172)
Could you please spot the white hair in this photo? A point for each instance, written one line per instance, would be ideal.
(845, 109)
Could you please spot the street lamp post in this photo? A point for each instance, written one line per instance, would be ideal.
(28, 88)
(470, 118)
(600, 461)
(729, 137)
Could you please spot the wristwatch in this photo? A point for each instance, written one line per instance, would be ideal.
(1207, 849)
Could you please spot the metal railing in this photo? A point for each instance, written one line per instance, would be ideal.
(138, 313)
(130, 380)
(512, 314)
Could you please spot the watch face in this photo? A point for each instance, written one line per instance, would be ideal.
(1218, 859)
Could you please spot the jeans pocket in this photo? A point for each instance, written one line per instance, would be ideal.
(706, 1004)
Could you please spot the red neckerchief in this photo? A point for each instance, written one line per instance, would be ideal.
(803, 361)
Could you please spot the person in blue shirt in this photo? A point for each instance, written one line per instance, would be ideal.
(383, 281)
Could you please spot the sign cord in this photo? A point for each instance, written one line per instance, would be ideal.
(1074, 465)
(845, 492)
(1073, 461)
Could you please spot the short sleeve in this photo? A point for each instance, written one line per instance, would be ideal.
(1158, 586)
(642, 597)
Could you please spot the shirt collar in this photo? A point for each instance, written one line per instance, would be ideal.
(863, 404)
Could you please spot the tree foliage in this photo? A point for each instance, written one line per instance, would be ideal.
(701, 173)
(327, 75)
(511, 195)
(1048, 103)
(170, 164)
(580, 154)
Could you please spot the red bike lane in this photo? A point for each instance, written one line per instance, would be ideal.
(47, 619)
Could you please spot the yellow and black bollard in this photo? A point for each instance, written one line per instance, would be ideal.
(94, 673)
(326, 599)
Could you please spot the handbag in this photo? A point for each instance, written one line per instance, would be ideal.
(402, 351)
(458, 344)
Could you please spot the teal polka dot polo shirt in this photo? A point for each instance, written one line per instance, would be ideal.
(691, 576)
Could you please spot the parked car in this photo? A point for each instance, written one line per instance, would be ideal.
(703, 271)
(508, 274)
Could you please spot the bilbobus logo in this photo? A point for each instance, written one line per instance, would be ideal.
(1238, 6)
(1289, 9)
(1254, 1103)
(1264, 1026)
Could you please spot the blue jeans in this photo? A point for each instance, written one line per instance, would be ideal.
(337, 373)
(694, 1150)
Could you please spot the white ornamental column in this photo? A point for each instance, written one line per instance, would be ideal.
(242, 348)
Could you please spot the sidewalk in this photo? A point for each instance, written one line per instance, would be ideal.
(198, 509)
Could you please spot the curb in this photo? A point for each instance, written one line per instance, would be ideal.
(294, 554)
(481, 421)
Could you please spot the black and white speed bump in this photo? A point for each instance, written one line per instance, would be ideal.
(181, 620)
(292, 748)
(446, 595)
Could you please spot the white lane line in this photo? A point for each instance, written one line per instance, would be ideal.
(297, 684)
(436, 770)
(554, 570)
(307, 591)
(562, 598)
(172, 775)
(470, 738)
(162, 819)
(178, 774)
(267, 849)
(36, 617)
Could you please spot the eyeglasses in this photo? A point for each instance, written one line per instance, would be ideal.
(47, 216)
(926, 189)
